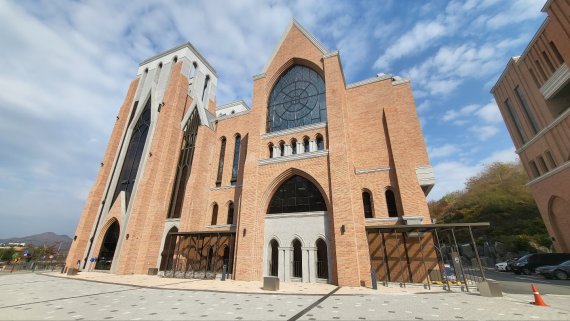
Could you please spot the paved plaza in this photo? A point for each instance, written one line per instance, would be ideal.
(29, 296)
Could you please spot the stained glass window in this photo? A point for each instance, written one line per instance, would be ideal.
(297, 99)
(133, 155)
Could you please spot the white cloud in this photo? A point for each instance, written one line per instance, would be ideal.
(483, 133)
(463, 112)
(411, 42)
(490, 113)
(451, 175)
(442, 151)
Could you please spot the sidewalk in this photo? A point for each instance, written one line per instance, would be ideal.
(153, 281)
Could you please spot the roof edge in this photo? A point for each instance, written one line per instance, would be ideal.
(184, 45)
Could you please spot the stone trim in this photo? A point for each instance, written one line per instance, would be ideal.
(182, 46)
(368, 81)
(220, 226)
(233, 103)
(293, 157)
(331, 54)
(371, 170)
(258, 76)
(543, 131)
(294, 130)
(550, 173)
(556, 81)
(382, 219)
(233, 115)
(299, 214)
(215, 188)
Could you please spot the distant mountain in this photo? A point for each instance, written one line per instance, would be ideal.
(48, 238)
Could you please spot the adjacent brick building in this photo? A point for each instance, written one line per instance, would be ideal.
(285, 187)
(533, 94)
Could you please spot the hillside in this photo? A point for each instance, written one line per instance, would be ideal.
(498, 195)
(48, 238)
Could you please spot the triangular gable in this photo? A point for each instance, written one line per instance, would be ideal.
(309, 36)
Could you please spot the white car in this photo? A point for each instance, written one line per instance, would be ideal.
(502, 266)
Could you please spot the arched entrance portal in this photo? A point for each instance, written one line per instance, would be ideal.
(322, 260)
(107, 251)
(168, 250)
(297, 217)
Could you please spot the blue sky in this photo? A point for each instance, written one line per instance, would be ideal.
(67, 66)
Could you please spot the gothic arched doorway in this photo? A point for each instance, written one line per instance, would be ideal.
(274, 258)
(297, 270)
(107, 251)
(322, 260)
(168, 250)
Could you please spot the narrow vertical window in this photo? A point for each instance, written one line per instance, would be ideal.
(533, 75)
(306, 144)
(214, 214)
(293, 146)
(550, 159)
(526, 108)
(184, 165)
(270, 150)
(236, 160)
(320, 142)
(540, 70)
(231, 213)
(367, 204)
(206, 82)
(542, 164)
(391, 203)
(221, 162)
(516, 120)
(281, 148)
(193, 71)
(548, 62)
(556, 53)
(533, 169)
(133, 156)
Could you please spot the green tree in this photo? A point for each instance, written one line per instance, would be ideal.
(497, 195)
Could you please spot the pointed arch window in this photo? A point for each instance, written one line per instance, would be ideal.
(235, 166)
(133, 155)
(214, 214)
(221, 161)
(320, 142)
(391, 203)
(281, 148)
(184, 165)
(367, 204)
(206, 82)
(297, 99)
(306, 144)
(270, 146)
(293, 146)
(230, 213)
(297, 194)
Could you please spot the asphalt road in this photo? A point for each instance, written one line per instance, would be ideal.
(520, 284)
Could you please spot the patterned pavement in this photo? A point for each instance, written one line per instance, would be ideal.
(40, 297)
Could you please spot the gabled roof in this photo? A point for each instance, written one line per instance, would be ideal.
(309, 36)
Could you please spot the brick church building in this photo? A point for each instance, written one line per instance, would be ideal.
(286, 187)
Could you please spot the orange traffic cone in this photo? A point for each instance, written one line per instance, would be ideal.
(537, 298)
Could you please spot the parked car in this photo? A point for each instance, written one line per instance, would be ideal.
(502, 266)
(510, 263)
(560, 271)
(528, 263)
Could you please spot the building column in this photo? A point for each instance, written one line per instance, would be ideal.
(312, 263)
(276, 151)
(284, 270)
(300, 148)
(312, 145)
(308, 265)
(288, 150)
